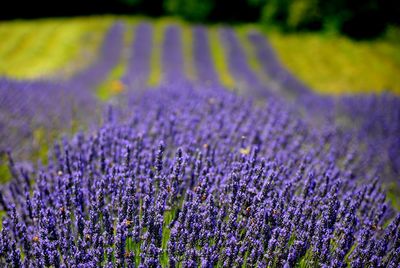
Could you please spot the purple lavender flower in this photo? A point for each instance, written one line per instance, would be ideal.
(200, 176)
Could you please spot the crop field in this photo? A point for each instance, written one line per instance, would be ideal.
(130, 142)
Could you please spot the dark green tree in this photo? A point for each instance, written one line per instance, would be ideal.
(192, 10)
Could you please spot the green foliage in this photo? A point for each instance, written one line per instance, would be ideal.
(275, 11)
(393, 192)
(5, 174)
(302, 13)
(192, 10)
(131, 2)
(292, 15)
(256, 3)
(356, 18)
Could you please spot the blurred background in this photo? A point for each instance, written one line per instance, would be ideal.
(355, 18)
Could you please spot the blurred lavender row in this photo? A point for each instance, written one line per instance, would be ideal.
(54, 106)
(28, 109)
(138, 69)
(273, 67)
(246, 80)
(203, 62)
(172, 55)
(373, 120)
(108, 58)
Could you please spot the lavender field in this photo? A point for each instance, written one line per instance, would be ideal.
(191, 146)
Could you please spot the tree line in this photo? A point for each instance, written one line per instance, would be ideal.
(356, 18)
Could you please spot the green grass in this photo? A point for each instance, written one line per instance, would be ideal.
(49, 47)
(155, 76)
(333, 64)
(113, 85)
(393, 193)
(41, 144)
(166, 234)
(218, 54)
(5, 174)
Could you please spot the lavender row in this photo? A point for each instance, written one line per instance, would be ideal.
(372, 120)
(110, 54)
(273, 67)
(205, 69)
(200, 177)
(172, 55)
(138, 69)
(29, 109)
(375, 120)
